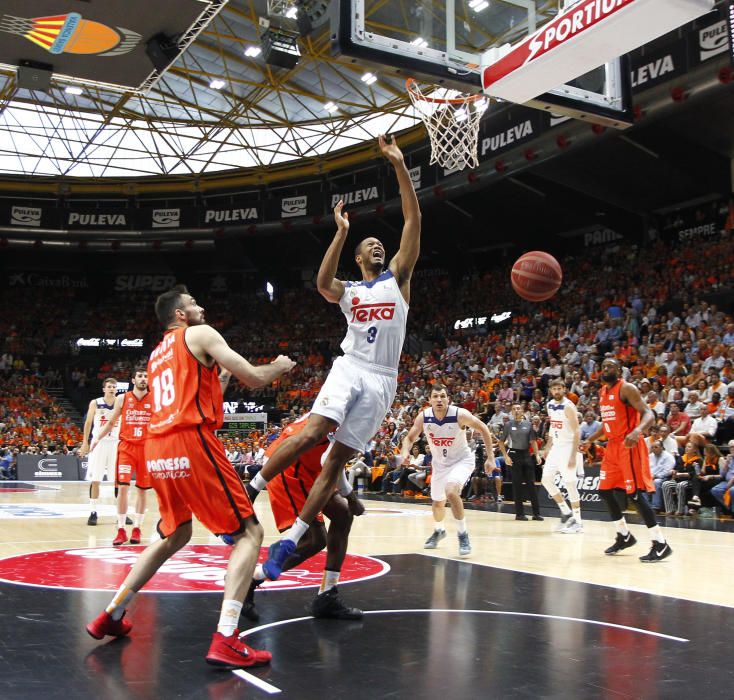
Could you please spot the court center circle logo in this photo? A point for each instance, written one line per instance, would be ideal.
(195, 569)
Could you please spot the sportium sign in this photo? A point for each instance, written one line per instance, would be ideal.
(589, 34)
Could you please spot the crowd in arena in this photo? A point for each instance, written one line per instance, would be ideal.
(652, 307)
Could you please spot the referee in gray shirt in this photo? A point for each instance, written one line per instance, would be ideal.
(515, 444)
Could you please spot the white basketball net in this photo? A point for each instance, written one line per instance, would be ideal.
(452, 121)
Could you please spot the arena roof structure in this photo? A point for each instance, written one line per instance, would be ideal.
(219, 105)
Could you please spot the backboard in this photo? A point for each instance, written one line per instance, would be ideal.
(444, 42)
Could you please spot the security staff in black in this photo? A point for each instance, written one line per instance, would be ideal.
(515, 444)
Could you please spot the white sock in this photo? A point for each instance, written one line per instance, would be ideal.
(257, 482)
(122, 599)
(259, 574)
(329, 581)
(93, 503)
(438, 526)
(461, 526)
(657, 534)
(565, 510)
(121, 520)
(229, 617)
(622, 528)
(342, 485)
(138, 519)
(297, 531)
(576, 514)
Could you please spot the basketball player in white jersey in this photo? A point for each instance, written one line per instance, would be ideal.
(452, 462)
(104, 459)
(562, 457)
(361, 384)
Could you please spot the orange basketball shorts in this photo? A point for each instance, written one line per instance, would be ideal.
(289, 490)
(625, 468)
(131, 465)
(191, 475)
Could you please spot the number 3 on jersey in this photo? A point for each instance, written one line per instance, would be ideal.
(164, 391)
(371, 334)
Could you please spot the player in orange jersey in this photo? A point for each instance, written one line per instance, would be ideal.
(133, 409)
(288, 493)
(190, 471)
(626, 466)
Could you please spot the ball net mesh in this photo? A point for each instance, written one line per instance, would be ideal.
(452, 121)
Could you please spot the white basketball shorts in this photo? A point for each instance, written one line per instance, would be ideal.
(557, 461)
(357, 398)
(456, 473)
(102, 460)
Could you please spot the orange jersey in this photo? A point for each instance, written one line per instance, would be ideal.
(618, 418)
(311, 460)
(185, 392)
(289, 490)
(135, 417)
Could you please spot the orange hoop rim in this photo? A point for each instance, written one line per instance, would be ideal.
(410, 82)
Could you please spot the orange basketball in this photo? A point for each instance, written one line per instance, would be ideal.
(536, 276)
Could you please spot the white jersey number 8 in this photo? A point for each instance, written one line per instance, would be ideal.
(164, 391)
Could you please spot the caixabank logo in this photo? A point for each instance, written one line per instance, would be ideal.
(195, 569)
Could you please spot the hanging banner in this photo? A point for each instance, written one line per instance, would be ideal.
(653, 68)
(231, 215)
(510, 129)
(98, 219)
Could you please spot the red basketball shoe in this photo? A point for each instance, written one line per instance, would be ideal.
(103, 625)
(121, 537)
(232, 653)
(135, 537)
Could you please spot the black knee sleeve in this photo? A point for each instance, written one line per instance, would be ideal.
(610, 498)
(644, 508)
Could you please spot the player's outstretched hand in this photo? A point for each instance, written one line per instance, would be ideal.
(284, 363)
(390, 149)
(342, 220)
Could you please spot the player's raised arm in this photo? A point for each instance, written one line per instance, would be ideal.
(110, 424)
(630, 394)
(329, 287)
(413, 434)
(204, 340)
(410, 242)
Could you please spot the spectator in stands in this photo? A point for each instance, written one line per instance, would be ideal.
(725, 430)
(723, 492)
(589, 425)
(703, 430)
(695, 408)
(662, 465)
(676, 488)
(655, 404)
(6, 463)
(707, 478)
(356, 468)
(678, 422)
(669, 442)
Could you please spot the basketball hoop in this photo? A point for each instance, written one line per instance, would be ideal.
(452, 121)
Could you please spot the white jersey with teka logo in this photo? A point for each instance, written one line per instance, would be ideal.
(446, 437)
(376, 314)
(102, 413)
(560, 430)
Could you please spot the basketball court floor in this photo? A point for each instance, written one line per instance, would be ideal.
(530, 613)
